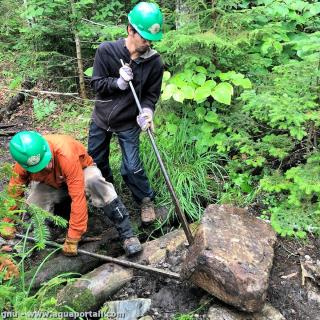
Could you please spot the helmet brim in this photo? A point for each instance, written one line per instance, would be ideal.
(43, 162)
(151, 37)
(147, 35)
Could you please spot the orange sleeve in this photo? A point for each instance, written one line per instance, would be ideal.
(18, 181)
(76, 189)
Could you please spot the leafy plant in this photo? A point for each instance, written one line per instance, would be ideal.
(43, 108)
(16, 296)
(78, 127)
(297, 210)
(198, 84)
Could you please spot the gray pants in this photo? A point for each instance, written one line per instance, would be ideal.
(97, 188)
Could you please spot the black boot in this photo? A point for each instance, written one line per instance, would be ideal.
(119, 215)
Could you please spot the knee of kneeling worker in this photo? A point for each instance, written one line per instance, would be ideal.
(92, 178)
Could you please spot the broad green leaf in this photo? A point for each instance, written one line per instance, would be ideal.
(212, 117)
(211, 68)
(166, 76)
(209, 84)
(168, 91)
(89, 72)
(188, 92)
(223, 92)
(201, 69)
(200, 147)
(178, 96)
(202, 93)
(220, 141)
(178, 80)
(199, 79)
(206, 139)
(207, 127)
(187, 75)
(200, 112)
(244, 83)
(227, 75)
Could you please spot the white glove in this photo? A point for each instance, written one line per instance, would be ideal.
(126, 75)
(145, 119)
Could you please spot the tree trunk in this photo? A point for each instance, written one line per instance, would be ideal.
(181, 14)
(83, 94)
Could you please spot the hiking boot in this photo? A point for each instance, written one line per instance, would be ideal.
(132, 246)
(147, 211)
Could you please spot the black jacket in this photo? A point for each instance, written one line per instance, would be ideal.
(115, 109)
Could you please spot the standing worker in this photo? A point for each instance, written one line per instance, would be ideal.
(115, 109)
(59, 168)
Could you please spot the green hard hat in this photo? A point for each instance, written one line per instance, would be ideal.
(147, 19)
(30, 150)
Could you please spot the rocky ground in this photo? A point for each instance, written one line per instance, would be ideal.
(292, 290)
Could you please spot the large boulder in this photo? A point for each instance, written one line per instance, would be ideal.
(231, 257)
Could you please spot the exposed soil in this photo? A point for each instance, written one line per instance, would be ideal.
(169, 297)
(286, 293)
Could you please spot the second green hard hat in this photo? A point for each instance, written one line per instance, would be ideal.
(147, 19)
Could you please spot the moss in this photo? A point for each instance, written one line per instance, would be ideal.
(77, 298)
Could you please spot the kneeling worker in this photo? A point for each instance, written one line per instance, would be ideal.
(60, 167)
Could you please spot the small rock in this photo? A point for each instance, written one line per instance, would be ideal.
(174, 260)
(146, 318)
(163, 245)
(218, 312)
(175, 269)
(129, 309)
(131, 291)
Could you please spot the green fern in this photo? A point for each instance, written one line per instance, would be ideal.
(39, 217)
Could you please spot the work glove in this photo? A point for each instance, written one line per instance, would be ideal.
(126, 75)
(145, 119)
(70, 247)
(7, 265)
(8, 232)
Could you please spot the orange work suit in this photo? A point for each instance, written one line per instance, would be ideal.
(69, 158)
